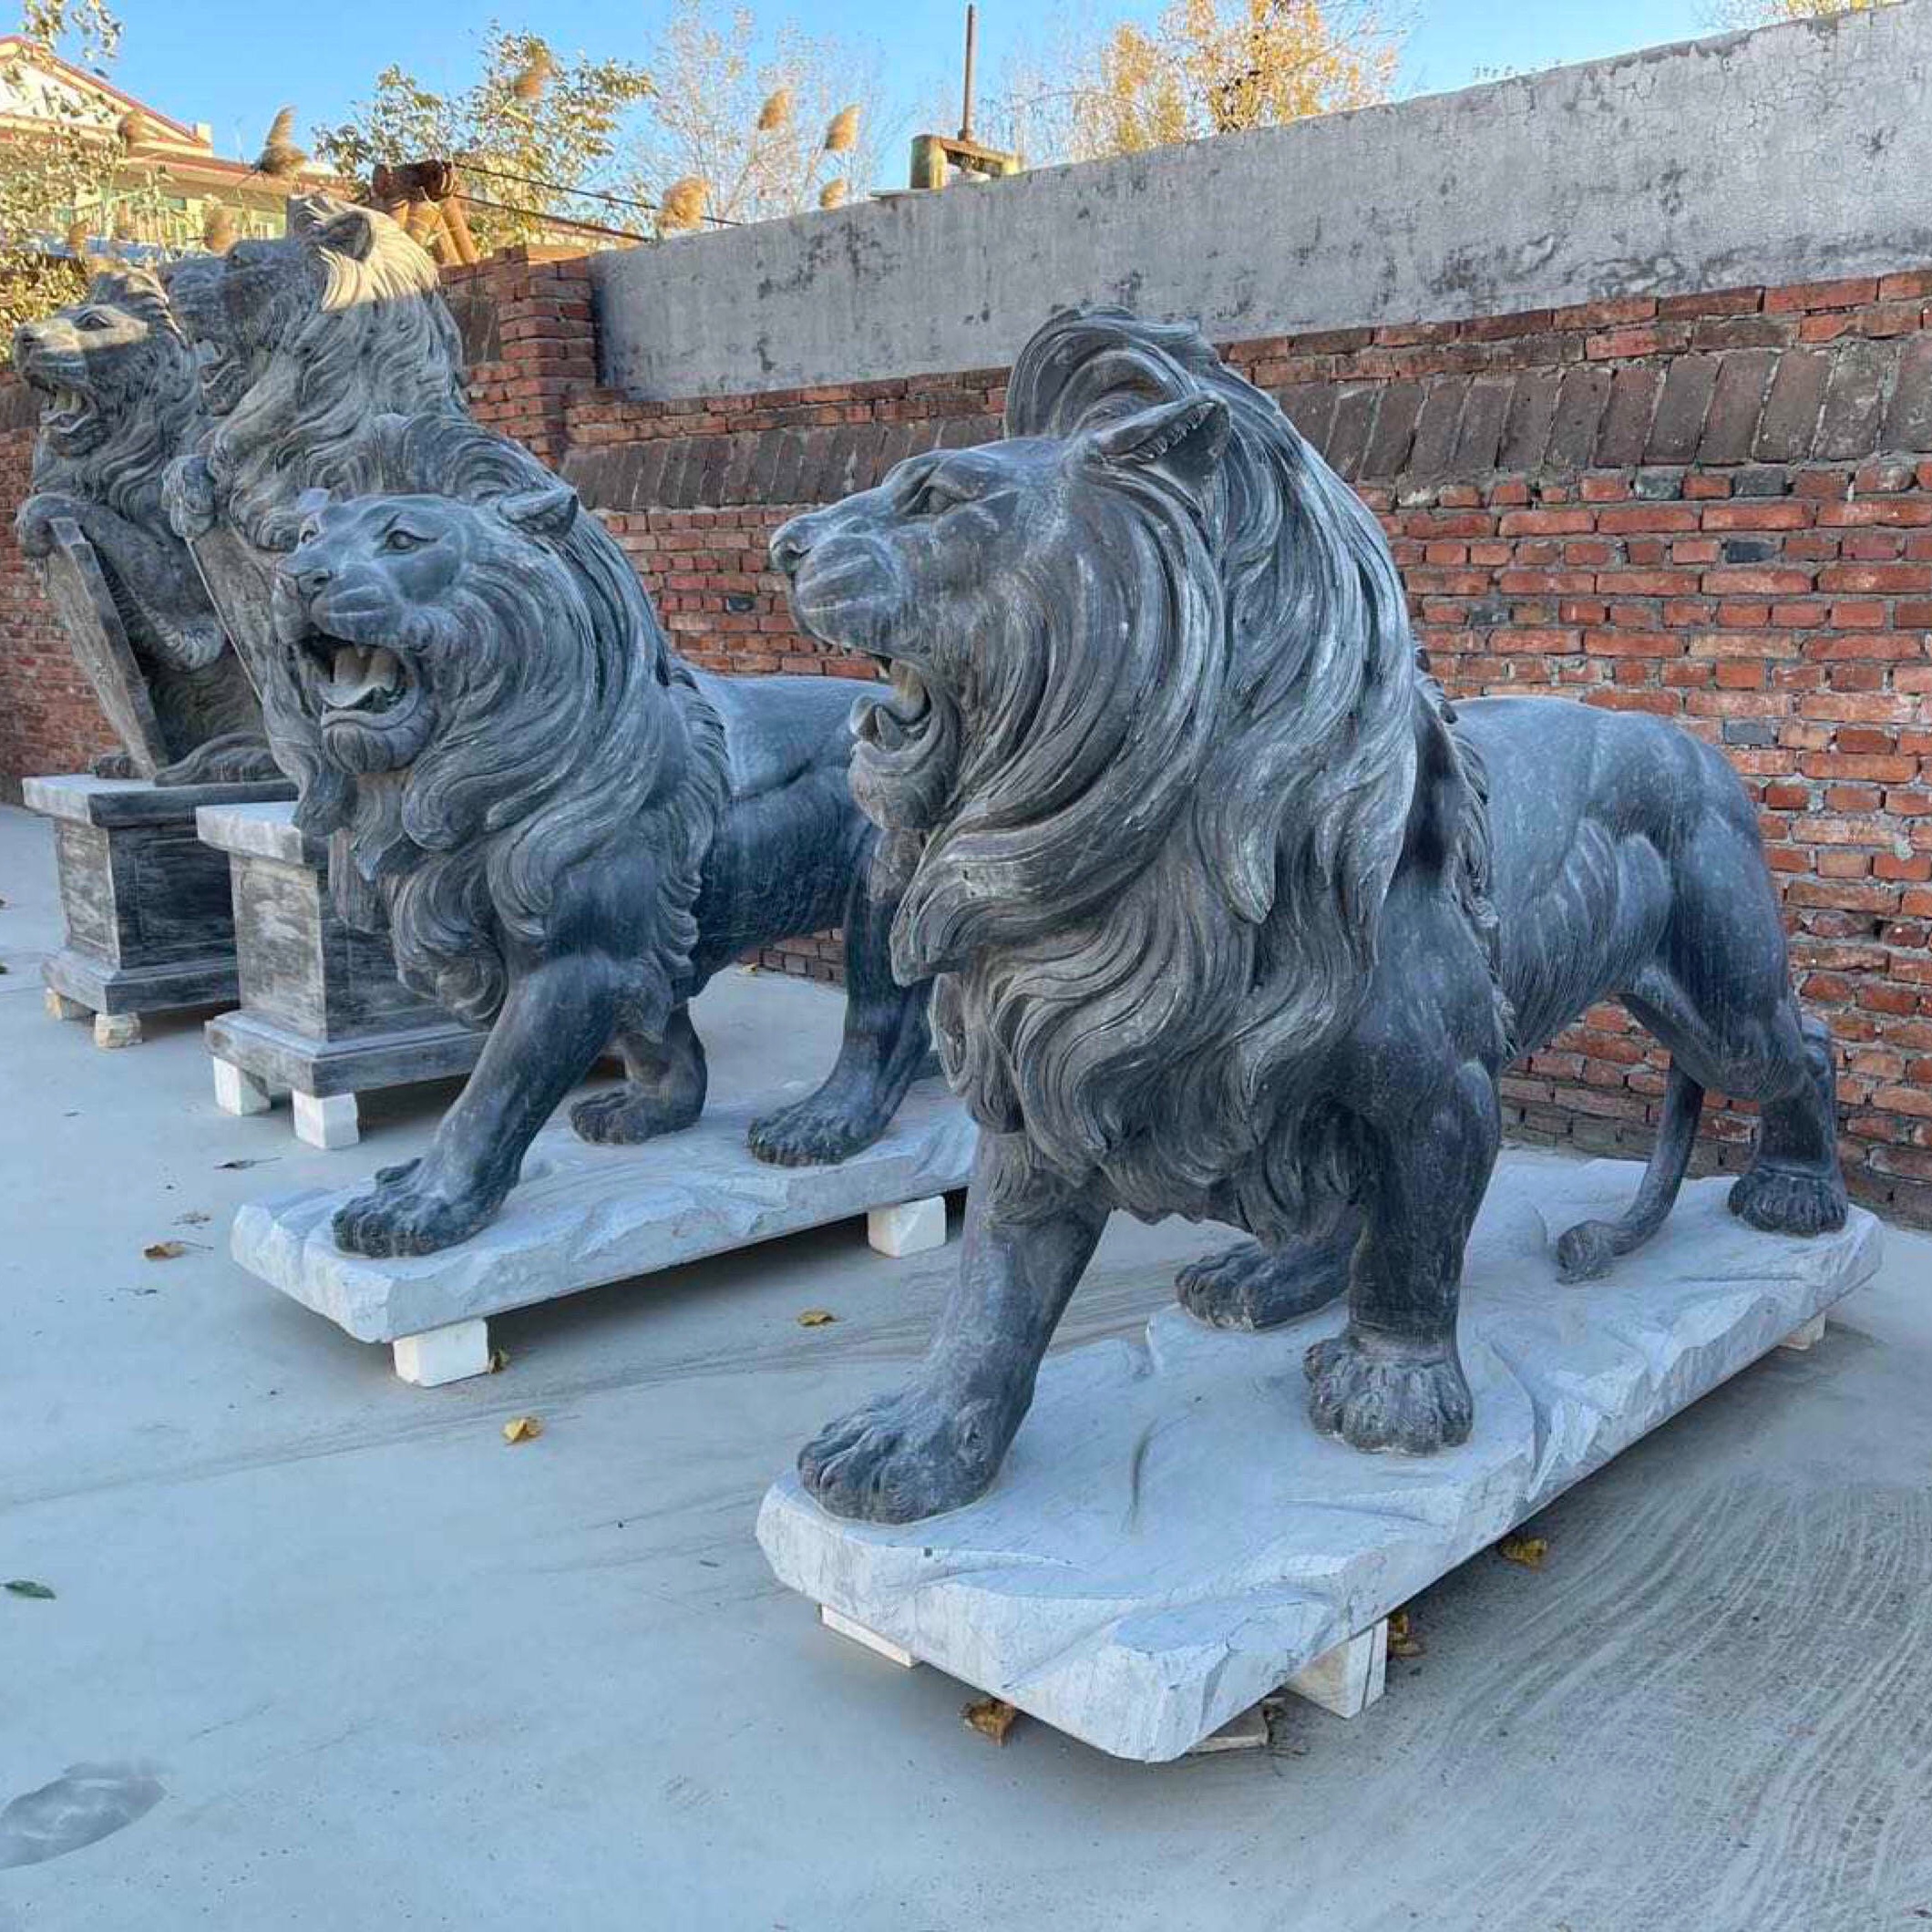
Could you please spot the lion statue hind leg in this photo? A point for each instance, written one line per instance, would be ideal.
(1586, 1251)
(662, 1093)
(1793, 1185)
(1250, 1287)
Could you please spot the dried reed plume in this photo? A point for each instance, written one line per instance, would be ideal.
(776, 112)
(842, 136)
(833, 194)
(218, 230)
(684, 205)
(77, 236)
(132, 128)
(531, 77)
(280, 156)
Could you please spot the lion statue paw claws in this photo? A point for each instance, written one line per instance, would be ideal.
(808, 1135)
(402, 1218)
(904, 1457)
(1379, 1398)
(1249, 1287)
(625, 1119)
(1779, 1200)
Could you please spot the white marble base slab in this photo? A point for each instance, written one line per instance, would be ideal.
(586, 1215)
(1170, 1540)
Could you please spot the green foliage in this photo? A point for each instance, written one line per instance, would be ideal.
(528, 121)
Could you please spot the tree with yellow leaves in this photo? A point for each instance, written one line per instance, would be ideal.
(1203, 67)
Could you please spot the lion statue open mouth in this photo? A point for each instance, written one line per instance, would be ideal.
(566, 829)
(119, 403)
(1232, 916)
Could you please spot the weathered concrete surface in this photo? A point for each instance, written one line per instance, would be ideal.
(1170, 1540)
(393, 1673)
(1793, 154)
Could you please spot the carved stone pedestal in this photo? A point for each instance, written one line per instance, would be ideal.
(582, 1215)
(1170, 1541)
(323, 1014)
(150, 926)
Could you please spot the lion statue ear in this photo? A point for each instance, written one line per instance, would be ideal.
(344, 229)
(1186, 438)
(548, 512)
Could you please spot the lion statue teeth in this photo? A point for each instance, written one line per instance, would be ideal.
(120, 402)
(566, 829)
(1233, 916)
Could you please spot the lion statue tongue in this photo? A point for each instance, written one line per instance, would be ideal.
(362, 678)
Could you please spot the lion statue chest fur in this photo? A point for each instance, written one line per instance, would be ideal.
(120, 402)
(1231, 914)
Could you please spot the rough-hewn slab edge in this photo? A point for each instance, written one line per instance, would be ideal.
(111, 802)
(358, 1064)
(584, 1215)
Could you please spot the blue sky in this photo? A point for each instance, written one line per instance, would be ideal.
(233, 62)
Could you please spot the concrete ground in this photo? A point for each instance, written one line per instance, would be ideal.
(345, 1659)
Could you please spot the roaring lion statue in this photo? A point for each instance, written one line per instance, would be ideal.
(120, 402)
(1233, 917)
(568, 829)
(304, 340)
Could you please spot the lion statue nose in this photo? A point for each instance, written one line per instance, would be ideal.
(310, 577)
(789, 543)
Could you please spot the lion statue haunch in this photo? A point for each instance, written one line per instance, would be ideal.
(1233, 917)
(568, 829)
(120, 402)
(303, 339)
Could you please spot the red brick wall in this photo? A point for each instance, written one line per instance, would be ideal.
(1716, 507)
(48, 719)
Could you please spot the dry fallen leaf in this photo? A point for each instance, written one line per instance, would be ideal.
(1404, 1639)
(26, 1586)
(1528, 1551)
(816, 1317)
(499, 1361)
(523, 1429)
(992, 1717)
(164, 1251)
(259, 1160)
(194, 1217)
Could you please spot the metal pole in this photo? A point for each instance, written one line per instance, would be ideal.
(972, 37)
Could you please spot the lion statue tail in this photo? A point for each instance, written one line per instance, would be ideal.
(1587, 1249)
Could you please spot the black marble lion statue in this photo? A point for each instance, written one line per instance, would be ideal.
(119, 401)
(567, 829)
(1230, 915)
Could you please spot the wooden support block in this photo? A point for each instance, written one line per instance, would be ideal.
(1350, 1677)
(1249, 1732)
(327, 1121)
(60, 1007)
(912, 1227)
(443, 1355)
(238, 1091)
(1812, 1332)
(871, 1639)
(113, 1030)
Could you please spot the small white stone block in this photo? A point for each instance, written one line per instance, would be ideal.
(1350, 1677)
(327, 1122)
(112, 1029)
(1812, 1333)
(871, 1639)
(910, 1228)
(1249, 1732)
(60, 1007)
(237, 1091)
(445, 1354)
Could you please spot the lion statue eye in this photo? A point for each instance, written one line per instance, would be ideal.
(92, 319)
(935, 496)
(402, 539)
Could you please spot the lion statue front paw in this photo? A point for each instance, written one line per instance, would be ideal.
(818, 1130)
(907, 1456)
(409, 1213)
(1412, 1400)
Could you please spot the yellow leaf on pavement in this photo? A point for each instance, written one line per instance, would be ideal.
(523, 1429)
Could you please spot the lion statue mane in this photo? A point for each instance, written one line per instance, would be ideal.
(120, 402)
(1231, 914)
(1230, 710)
